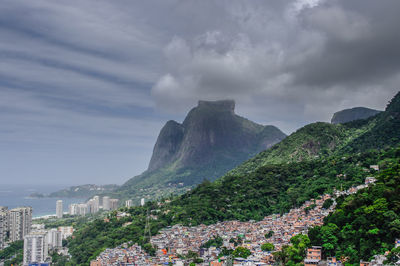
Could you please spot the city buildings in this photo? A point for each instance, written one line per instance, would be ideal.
(20, 223)
(128, 203)
(54, 238)
(313, 256)
(78, 209)
(106, 203)
(96, 205)
(142, 202)
(7, 221)
(114, 204)
(3, 228)
(59, 208)
(173, 242)
(35, 247)
(92, 206)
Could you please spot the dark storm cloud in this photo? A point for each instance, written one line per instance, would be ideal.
(361, 43)
(288, 63)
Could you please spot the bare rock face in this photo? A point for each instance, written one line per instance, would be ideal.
(167, 145)
(352, 114)
(211, 131)
(210, 141)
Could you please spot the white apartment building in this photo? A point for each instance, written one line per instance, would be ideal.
(114, 204)
(78, 209)
(54, 238)
(106, 203)
(20, 223)
(128, 203)
(96, 204)
(35, 247)
(59, 208)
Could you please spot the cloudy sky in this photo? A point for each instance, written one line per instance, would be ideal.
(85, 86)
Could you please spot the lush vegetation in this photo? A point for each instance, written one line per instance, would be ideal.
(319, 140)
(310, 162)
(267, 247)
(271, 189)
(241, 252)
(214, 242)
(13, 254)
(293, 255)
(75, 221)
(364, 224)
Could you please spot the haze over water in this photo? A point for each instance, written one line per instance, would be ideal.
(18, 195)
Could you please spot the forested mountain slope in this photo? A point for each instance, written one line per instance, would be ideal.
(320, 139)
(366, 223)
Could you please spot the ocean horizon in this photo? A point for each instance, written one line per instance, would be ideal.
(15, 195)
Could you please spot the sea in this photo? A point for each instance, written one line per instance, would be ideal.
(14, 196)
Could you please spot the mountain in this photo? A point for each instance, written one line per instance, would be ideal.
(352, 114)
(320, 139)
(83, 191)
(211, 140)
(311, 161)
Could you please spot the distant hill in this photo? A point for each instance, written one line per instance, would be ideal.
(352, 114)
(83, 191)
(211, 140)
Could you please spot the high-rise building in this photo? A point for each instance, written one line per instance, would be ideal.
(20, 223)
(142, 202)
(3, 228)
(7, 221)
(78, 209)
(128, 203)
(114, 204)
(83, 209)
(91, 206)
(54, 238)
(59, 208)
(96, 204)
(106, 203)
(35, 247)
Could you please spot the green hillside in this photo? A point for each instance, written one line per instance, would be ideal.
(366, 223)
(270, 189)
(319, 139)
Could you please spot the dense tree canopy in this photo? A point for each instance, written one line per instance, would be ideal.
(364, 224)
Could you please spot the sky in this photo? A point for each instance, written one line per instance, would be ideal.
(86, 86)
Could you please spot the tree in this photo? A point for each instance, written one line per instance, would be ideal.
(267, 247)
(269, 234)
(241, 252)
(327, 203)
(282, 256)
(393, 257)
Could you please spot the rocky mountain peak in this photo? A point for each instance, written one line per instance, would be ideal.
(352, 114)
(211, 132)
(224, 105)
